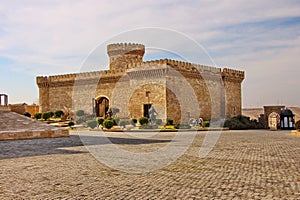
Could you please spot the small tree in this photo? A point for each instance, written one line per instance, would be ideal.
(27, 114)
(143, 120)
(133, 122)
(70, 124)
(100, 121)
(46, 115)
(108, 123)
(92, 123)
(206, 124)
(116, 121)
(58, 113)
(122, 123)
(51, 114)
(170, 121)
(79, 113)
(37, 116)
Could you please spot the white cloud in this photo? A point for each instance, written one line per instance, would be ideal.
(55, 36)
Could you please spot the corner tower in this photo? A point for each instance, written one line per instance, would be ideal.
(120, 55)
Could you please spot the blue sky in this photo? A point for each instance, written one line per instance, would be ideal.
(53, 37)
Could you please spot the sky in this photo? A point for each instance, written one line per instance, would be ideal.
(55, 36)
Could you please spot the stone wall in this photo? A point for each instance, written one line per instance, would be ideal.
(232, 82)
(178, 90)
(18, 108)
(32, 109)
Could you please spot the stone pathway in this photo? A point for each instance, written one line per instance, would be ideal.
(243, 165)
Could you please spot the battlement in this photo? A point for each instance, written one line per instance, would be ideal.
(44, 81)
(125, 48)
(190, 67)
(232, 73)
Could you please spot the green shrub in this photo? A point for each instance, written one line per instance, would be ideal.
(122, 123)
(79, 113)
(90, 117)
(70, 124)
(170, 121)
(92, 123)
(58, 113)
(51, 114)
(133, 122)
(80, 120)
(143, 121)
(37, 115)
(241, 122)
(108, 123)
(116, 121)
(46, 115)
(100, 121)
(27, 114)
(206, 124)
(158, 121)
(114, 110)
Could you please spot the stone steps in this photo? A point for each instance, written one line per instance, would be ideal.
(16, 126)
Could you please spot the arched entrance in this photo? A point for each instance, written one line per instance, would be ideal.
(101, 106)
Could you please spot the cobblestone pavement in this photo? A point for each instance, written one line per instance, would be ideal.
(243, 165)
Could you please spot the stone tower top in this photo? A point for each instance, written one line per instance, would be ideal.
(122, 54)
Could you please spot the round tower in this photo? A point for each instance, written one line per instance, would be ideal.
(125, 53)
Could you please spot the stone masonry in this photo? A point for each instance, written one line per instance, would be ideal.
(178, 90)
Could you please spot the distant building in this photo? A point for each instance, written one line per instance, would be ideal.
(142, 84)
(287, 119)
(21, 108)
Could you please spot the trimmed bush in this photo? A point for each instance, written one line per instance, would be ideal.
(81, 120)
(108, 123)
(143, 121)
(170, 121)
(70, 124)
(91, 117)
(51, 114)
(116, 121)
(241, 122)
(133, 122)
(122, 123)
(79, 113)
(92, 123)
(27, 114)
(114, 110)
(206, 124)
(100, 121)
(158, 121)
(46, 115)
(37, 115)
(58, 113)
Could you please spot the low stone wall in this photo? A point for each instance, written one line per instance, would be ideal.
(4, 109)
(32, 134)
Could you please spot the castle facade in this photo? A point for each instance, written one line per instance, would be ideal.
(177, 90)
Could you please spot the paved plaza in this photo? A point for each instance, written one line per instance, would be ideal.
(254, 164)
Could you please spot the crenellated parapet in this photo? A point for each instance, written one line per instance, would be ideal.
(194, 70)
(121, 54)
(42, 81)
(125, 48)
(233, 75)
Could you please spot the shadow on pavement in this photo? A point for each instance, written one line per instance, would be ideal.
(48, 146)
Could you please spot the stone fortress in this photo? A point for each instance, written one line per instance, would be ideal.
(177, 90)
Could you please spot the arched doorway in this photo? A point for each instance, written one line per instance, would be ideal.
(101, 106)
